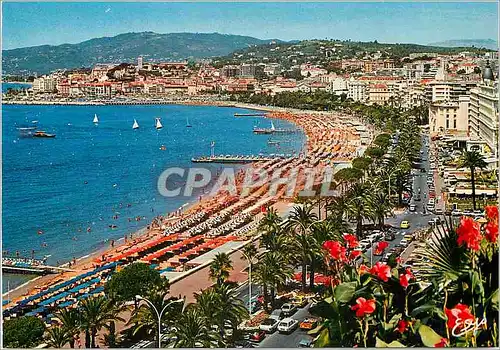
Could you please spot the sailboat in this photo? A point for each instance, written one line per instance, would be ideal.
(136, 125)
(187, 123)
(158, 124)
(272, 126)
(96, 120)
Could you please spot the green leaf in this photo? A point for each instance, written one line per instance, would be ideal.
(323, 339)
(428, 309)
(493, 300)
(429, 337)
(344, 292)
(394, 344)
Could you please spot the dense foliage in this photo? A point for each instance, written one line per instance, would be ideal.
(23, 332)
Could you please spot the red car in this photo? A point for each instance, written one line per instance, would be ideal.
(257, 336)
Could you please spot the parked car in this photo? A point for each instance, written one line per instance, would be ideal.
(288, 309)
(257, 336)
(404, 243)
(413, 207)
(390, 236)
(277, 314)
(456, 212)
(309, 323)
(405, 224)
(306, 342)
(434, 221)
(300, 301)
(287, 325)
(269, 325)
(438, 211)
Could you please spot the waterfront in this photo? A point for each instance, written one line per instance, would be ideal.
(89, 174)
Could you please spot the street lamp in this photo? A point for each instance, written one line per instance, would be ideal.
(159, 314)
(250, 261)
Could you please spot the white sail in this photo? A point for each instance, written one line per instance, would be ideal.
(96, 120)
(187, 122)
(272, 126)
(136, 125)
(158, 123)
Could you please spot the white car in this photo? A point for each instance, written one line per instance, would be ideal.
(288, 309)
(269, 325)
(287, 325)
(413, 207)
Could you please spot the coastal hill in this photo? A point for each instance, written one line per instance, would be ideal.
(486, 43)
(124, 48)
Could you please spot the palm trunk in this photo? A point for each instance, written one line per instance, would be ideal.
(311, 275)
(359, 226)
(92, 337)
(273, 296)
(266, 297)
(72, 343)
(473, 182)
(87, 338)
(112, 335)
(304, 277)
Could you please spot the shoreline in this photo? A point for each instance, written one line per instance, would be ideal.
(86, 262)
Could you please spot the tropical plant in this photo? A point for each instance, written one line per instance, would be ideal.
(271, 271)
(193, 330)
(450, 299)
(472, 160)
(146, 317)
(70, 321)
(57, 337)
(359, 205)
(220, 267)
(299, 223)
(96, 313)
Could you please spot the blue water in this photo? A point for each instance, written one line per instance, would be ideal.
(17, 86)
(88, 173)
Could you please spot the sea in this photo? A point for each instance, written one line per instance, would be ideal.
(68, 196)
(16, 86)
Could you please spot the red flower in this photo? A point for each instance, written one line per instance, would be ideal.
(491, 230)
(363, 307)
(457, 317)
(354, 254)
(469, 233)
(382, 271)
(351, 241)
(405, 278)
(442, 343)
(399, 260)
(335, 249)
(382, 245)
(491, 212)
(402, 326)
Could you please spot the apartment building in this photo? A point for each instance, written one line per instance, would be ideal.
(44, 84)
(357, 90)
(483, 114)
(449, 116)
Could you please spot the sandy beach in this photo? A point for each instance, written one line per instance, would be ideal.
(331, 137)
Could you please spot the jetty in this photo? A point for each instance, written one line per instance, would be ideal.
(29, 266)
(273, 131)
(228, 159)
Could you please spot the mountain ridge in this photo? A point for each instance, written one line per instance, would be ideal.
(486, 43)
(124, 47)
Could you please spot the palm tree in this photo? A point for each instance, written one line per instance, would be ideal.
(57, 337)
(299, 222)
(71, 321)
(145, 316)
(220, 268)
(271, 271)
(381, 203)
(323, 231)
(193, 331)
(96, 313)
(359, 205)
(472, 160)
(230, 310)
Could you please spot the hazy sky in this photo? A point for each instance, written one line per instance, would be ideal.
(29, 24)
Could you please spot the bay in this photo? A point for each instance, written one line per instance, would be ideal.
(93, 176)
